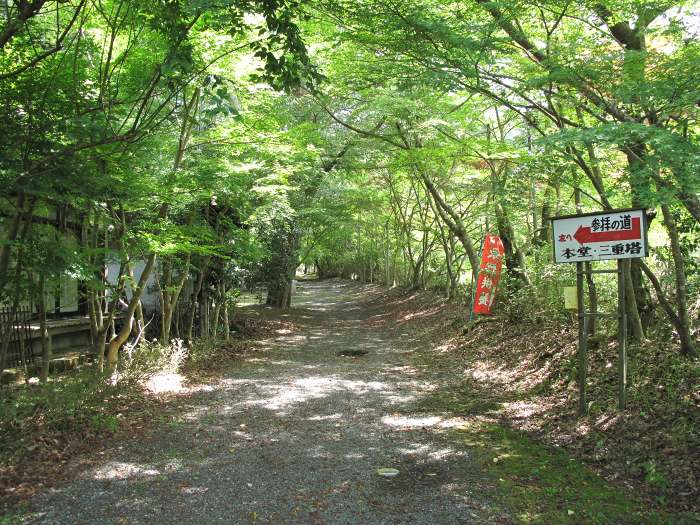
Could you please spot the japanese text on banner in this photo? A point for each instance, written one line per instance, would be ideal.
(489, 274)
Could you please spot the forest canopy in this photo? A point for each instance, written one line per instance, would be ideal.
(196, 148)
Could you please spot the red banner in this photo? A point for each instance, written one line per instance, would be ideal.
(489, 274)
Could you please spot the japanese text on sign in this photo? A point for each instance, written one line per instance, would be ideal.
(594, 237)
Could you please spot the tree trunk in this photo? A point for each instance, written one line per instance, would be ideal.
(215, 317)
(514, 258)
(227, 326)
(100, 347)
(11, 236)
(279, 293)
(632, 311)
(204, 313)
(416, 276)
(683, 327)
(663, 299)
(592, 299)
(26, 226)
(283, 265)
(90, 241)
(452, 220)
(140, 321)
(447, 247)
(386, 253)
(545, 231)
(196, 292)
(170, 295)
(45, 339)
(118, 341)
(640, 185)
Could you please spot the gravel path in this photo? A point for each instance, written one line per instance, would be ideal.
(294, 435)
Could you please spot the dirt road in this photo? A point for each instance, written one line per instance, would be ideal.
(295, 434)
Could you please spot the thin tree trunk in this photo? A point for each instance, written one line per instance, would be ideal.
(118, 341)
(204, 313)
(279, 293)
(683, 327)
(632, 310)
(196, 292)
(451, 218)
(26, 226)
(140, 321)
(386, 253)
(170, 295)
(89, 293)
(636, 160)
(11, 236)
(227, 325)
(592, 299)
(514, 258)
(107, 323)
(216, 316)
(45, 339)
(663, 300)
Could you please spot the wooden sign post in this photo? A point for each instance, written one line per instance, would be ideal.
(619, 235)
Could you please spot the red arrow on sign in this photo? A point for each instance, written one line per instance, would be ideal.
(585, 235)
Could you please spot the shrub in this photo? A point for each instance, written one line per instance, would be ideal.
(151, 357)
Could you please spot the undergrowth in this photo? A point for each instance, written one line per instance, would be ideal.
(44, 425)
(522, 376)
(69, 403)
(542, 484)
(653, 444)
(78, 413)
(83, 401)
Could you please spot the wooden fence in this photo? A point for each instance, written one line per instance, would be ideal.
(15, 337)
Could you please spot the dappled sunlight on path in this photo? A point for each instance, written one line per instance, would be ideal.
(293, 434)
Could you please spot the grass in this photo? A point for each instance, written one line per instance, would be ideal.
(540, 484)
(12, 519)
(70, 403)
(537, 483)
(653, 446)
(43, 426)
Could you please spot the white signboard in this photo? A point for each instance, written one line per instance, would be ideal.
(619, 234)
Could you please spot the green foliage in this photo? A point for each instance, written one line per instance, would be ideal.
(543, 485)
(205, 352)
(149, 127)
(75, 401)
(150, 357)
(105, 422)
(236, 139)
(653, 476)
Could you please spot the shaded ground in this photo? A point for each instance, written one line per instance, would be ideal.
(518, 378)
(523, 375)
(295, 433)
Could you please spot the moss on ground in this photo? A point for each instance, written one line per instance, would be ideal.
(536, 482)
(523, 377)
(539, 484)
